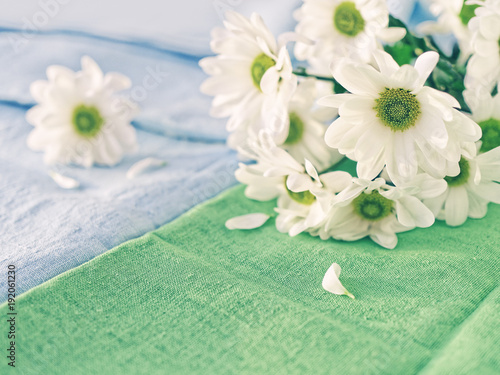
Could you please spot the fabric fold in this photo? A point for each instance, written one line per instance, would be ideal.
(180, 26)
(47, 230)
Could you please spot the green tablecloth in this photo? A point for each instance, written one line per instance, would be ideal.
(195, 298)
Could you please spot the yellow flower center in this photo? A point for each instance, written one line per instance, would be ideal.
(347, 19)
(296, 129)
(259, 67)
(87, 120)
(303, 197)
(398, 109)
(373, 206)
(462, 177)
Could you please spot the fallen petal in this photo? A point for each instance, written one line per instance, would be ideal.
(250, 221)
(144, 164)
(331, 282)
(64, 181)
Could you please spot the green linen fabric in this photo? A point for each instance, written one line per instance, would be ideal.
(195, 298)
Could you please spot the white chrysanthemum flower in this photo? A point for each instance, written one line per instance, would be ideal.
(483, 68)
(266, 178)
(391, 119)
(342, 28)
(379, 211)
(468, 194)
(308, 200)
(306, 130)
(250, 72)
(452, 16)
(486, 112)
(79, 119)
(278, 174)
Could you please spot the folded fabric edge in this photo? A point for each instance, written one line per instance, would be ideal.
(145, 124)
(137, 42)
(188, 213)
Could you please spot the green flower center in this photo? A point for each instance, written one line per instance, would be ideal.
(398, 109)
(467, 13)
(373, 206)
(304, 197)
(259, 68)
(87, 120)
(462, 177)
(491, 134)
(347, 19)
(296, 129)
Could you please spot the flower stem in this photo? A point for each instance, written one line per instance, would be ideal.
(301, 72)
(337, 87)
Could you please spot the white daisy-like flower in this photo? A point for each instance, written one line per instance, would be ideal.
(306, 130)
(79, 119)
(486, 112)
(251, 71)
(468, 194)
(379, 211)
(483, 68)
(452, 16)
(342, 28)
(265, 179)
(278, 174)
(391, 119)
(308, 200)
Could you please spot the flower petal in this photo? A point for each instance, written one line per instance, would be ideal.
(116, 81)
(359, 79)
(337, 180)
(298, 182)
(64, 181)
(250, 221)
(331, 282)
(389, 240)
(38, 90)
(412, 213)
(334, 101)
(391, 34)
(386, 64)
(425, 64)
(144, 164)
(489, 191)
(456, 206)
(311, 170)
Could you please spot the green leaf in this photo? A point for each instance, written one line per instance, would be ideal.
(401, 52)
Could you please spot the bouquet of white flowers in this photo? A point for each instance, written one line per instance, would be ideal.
(422, 126)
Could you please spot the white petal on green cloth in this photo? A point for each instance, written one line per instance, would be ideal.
(331, 282)
(250, 221)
